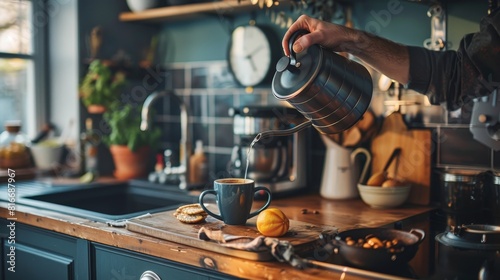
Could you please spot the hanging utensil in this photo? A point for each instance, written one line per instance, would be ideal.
(379, 178)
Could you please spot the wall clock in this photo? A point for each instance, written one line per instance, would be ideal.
(252, 54)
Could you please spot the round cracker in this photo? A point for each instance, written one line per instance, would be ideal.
(192, 210)
(190, 219)
(189, 205)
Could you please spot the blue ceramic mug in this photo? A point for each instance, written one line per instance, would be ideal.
(234, 198)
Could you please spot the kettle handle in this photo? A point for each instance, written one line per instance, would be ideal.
(293, 37)
(367, 162)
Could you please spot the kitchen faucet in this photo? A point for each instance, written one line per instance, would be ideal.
(182, 170)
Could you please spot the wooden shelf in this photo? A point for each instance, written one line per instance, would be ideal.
(183, 11)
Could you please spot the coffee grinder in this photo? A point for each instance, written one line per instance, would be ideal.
(278, 163)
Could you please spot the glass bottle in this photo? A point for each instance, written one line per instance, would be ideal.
(14, 145)
(89, 141)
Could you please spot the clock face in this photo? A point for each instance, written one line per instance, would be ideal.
(249, 55)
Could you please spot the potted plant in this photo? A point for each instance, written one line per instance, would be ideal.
(130, 147)
(101, 86)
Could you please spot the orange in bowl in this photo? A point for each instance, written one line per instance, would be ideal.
(272, 222)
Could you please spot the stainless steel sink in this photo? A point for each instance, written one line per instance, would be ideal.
(106, 201)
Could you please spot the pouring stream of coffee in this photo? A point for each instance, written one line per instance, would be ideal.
(274, 133)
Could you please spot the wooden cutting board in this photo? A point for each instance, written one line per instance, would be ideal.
(164, 225)
(414, 162)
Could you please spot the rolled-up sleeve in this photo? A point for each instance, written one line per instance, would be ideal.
(452, 78)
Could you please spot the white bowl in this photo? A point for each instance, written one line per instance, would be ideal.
(141, 5)
(387, 197)
(47, 155)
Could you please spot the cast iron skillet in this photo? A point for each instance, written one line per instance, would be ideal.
(382, 257)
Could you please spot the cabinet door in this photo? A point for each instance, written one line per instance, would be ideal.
(33, 253)
(31, 263)
(116, 264)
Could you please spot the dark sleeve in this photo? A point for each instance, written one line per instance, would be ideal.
(453, 78)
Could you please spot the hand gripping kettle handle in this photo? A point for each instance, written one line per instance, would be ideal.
(293, 38)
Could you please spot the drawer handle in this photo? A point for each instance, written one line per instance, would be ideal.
(149, 275)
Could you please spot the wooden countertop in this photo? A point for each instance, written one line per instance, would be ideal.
(311, 208)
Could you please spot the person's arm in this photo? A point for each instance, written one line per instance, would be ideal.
(437, 75)
(450, 77)
(454, 78)
(385, 56)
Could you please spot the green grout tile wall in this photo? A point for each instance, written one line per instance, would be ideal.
(209, 91)
(194, 51)
(197, 52)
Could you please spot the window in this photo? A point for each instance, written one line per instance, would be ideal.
(21, 84)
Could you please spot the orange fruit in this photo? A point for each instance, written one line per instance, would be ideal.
(272, 222)
(391, 183)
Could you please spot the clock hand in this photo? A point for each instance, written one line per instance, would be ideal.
(251, 62)
(252, 53)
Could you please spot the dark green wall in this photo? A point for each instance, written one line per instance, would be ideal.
(410, 24)
(205, 38)
(401, 21)
(464, 18)
(131, 39)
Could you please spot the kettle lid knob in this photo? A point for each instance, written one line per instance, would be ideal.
(287, 63)
(282, 64)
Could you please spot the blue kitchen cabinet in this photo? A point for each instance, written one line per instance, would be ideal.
(33, 253)
(115, 263)
(28, 252)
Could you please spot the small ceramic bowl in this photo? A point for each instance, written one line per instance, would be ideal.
(384, 197)
(47, 154)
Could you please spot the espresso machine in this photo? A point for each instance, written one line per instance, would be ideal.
(277, 163)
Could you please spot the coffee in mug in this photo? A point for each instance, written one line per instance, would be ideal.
(234, 198)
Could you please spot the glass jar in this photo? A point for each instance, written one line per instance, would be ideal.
(14, 144)
(462, 191)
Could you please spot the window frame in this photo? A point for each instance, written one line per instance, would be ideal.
(37, 94)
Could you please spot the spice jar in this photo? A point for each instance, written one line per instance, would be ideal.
(14, 151)
(462, 190)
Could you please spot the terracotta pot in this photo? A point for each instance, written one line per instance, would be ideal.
(128, 164)
(96, 109)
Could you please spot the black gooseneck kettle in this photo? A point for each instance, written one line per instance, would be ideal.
(331, 91)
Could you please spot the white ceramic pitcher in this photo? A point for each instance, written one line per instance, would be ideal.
(340, 172)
